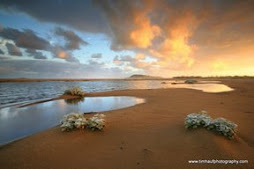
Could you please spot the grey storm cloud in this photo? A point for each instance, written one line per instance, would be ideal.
(61, 53)
(80, 14)
(95, 63)
(73, 41)
(25, 39)
(35, 54)
(72, 59)
(32, 43)
(1, 52)
(125, 58)
(96, 55)
(13, 50)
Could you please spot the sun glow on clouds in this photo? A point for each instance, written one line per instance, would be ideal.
(161, 38)
(143, 35)
(174, 51)
(220, 65)
(62, 55)
(176, 44)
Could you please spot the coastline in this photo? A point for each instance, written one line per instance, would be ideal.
(126, 79)
(150, 135)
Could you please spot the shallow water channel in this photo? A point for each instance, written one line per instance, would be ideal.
(18, 122)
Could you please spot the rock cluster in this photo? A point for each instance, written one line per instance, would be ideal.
(78, 121)
(220, 125)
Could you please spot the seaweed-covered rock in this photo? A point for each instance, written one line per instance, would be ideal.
(195, 120)
(75, 91)
(190, 81)
(74, 101)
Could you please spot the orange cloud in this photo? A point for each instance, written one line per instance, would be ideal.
(176, 49)
(145, 32)
(184, 37)
(61, 54)
(140, 56)
(176, 46)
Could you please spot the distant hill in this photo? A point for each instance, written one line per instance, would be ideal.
(138, 76)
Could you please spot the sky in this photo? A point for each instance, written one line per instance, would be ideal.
(118, 38)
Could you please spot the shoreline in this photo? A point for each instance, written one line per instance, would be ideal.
(150, 135)
(94, 94)
(14, 80)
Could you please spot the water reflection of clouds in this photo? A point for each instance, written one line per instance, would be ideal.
(209, 88)
(9, 112)
(18, 122)
(205, 86)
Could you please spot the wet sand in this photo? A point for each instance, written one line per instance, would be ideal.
(149, 135)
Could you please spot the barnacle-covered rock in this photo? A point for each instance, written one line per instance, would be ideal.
(78, 121)
(96, 122)
(72, 121)
(195, 120)
(220, 125)
(223, 126)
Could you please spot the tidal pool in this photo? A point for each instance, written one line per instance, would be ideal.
(18, 122)
(205, 87)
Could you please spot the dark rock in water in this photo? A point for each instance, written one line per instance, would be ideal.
(173, 83)
(90, 112)
(190, 81)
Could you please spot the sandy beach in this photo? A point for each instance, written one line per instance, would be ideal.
(149, 135)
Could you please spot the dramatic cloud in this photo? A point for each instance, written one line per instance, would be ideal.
(169, 37)
(25, 39)
(174, 32)
(73, 41)
(96, 55)
(154, 27)
(144, 32)
(13, 50)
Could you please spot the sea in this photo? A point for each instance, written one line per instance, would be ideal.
(12, 93)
